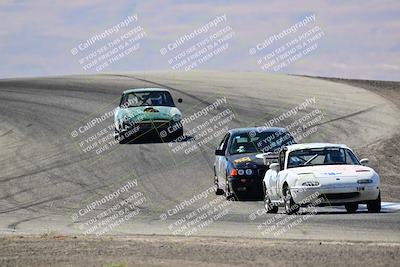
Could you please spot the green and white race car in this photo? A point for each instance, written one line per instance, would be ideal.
(147, 111)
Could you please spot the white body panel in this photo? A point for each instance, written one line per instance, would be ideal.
(337, 184)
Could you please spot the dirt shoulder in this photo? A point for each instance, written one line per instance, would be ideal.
(190, 251)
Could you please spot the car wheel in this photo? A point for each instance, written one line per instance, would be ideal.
(269, 208)
(171, 137)
(116, 134)
(375, 205)
(122, 139)
(119, 137)
(178, 133)
(219, 192)
(351, 207)
(290, 206)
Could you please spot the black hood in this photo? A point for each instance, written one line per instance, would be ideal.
(249, 160)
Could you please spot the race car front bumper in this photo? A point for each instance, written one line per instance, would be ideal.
(335, 194)
(247, 187)
(162, 128)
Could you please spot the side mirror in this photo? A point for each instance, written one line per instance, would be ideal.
(180, 100)
(364, 162)
(219, 152)
(274, 167)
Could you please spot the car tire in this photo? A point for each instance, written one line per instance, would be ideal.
(290, 206)
(172, 137)
(219, 192)
(374, 206)
(351, 207)
(116, 134)
(122, 139)
(178, 133)
(269, 208)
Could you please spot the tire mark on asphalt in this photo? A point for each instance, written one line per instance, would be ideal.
(348, 115)
(13, 226)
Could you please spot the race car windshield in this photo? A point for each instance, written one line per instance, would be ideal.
(259, 142)
(155, 98)
(321, 156)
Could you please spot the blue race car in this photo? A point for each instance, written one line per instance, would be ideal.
(243, 157)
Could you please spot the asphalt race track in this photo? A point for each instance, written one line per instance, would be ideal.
(46, 178)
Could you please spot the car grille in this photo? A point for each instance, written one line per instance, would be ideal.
(156, 124)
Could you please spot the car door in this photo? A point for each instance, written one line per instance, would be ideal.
(276, 177)
(282, 174)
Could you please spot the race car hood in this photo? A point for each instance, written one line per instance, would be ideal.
(335, 171)
(249, 160)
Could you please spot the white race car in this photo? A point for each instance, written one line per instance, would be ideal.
(322, 174)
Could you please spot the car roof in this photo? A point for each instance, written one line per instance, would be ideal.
(256, 129)
(314, 145)
(134, 90)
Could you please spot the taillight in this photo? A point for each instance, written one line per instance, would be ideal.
(234, 172)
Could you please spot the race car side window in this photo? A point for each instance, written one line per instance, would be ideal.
(123, 100)
(221, 144)
(224, 142)
(351, 158)
(282, 159)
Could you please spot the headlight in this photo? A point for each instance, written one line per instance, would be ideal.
(310, 183)
(176, 117)
(365, 181)
(241, 172)
(306, 179)
(126, 118)
(249, 171)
